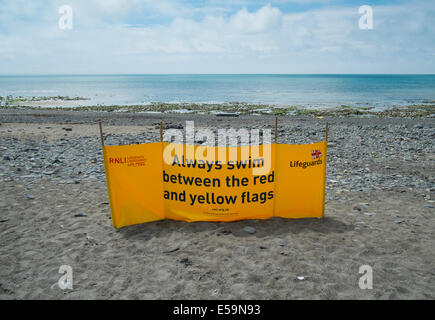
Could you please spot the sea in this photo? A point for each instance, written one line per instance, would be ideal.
(308, 90)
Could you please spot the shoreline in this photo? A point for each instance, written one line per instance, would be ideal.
(424, 109)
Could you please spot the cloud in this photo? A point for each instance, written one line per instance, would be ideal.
(265, 19)
(114, 36)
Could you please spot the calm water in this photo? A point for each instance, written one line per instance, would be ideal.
(380, 91)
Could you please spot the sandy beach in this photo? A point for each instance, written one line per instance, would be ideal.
(54, 211)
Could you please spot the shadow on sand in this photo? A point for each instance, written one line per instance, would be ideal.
(271, 227)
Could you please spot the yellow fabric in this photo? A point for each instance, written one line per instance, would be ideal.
(143, 187)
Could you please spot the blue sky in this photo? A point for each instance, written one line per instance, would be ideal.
(216, 36)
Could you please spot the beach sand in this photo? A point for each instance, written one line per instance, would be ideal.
(379, 212)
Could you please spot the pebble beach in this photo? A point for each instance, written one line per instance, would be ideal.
(54, 210)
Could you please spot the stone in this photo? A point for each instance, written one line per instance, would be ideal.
(196, 277)
(249, 250)
(250, 230)
(186, 261)
(81, 214)
(226, 114)
(281, 242)
(173, 249)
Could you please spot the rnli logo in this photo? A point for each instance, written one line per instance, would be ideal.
(130, 161)
(316, 154)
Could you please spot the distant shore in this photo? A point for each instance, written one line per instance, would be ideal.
(425, 109)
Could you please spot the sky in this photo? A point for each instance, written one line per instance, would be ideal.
(216, 36)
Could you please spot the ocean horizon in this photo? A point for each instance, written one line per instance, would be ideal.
(378, 91)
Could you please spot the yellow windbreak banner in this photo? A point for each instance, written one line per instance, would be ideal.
(221, 186)
(134, 183)
(149, 182)
(300, 180)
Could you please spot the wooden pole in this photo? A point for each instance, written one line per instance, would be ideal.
(101, 133)
(161, 131)
(276, 129)
(324, 172)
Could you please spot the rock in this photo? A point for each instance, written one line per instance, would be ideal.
(196, 277)
(399, 220)
(172, 126)
(91, 239)
(281, 242)
(368, 214)
(249, 250)
(173, 249)
(250, 230)
(31, 197)
(226, 114)
(81, 214)
(428, 206)
(300, 278)
(186, 262)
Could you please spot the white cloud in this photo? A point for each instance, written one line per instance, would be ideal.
(263, 20)
(263, 40)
